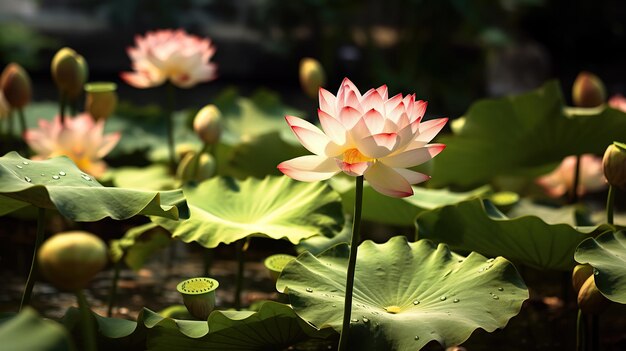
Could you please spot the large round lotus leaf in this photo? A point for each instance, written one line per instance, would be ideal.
(224, 210)
(320, 243)
(139, 244)
(524, 134)
(388, 210)
(607, 255)
(58, 184)
(27, 332)
(405, 294)
(154, 177)
(477, 225)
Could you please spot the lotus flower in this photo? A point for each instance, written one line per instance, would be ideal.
(618, 102)
(170, 55)
(561, 180)
(367, 135)
(80, 138)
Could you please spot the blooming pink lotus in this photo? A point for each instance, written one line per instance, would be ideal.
(618, 102)
(367, 135)
(80, 138)
(560, 181)
(170, 55)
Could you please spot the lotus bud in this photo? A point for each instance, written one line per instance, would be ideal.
(101, 99)
(312, 76)
(198, 296)
(614, 165)
(208, 124)
(276, 263)
(590, 299)
(580, 275)
(70, 260)
(588, 90)
(69, 71)
(16, 86)
(196, 167)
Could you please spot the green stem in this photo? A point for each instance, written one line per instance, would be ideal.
(208, 262)
(32, 275)
(609, 205)
(113, 290)
(171, 91)
(354, 244)
(240, 269)
(86, 325)
(580, 331)
(20, 113)
(62, 105)
(574, 194)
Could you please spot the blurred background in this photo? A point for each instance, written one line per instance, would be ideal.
(450, 52)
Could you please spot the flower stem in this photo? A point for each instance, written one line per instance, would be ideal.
(239, 247)
(20, 113)
(609, 205)
(580, 331)
(171, 91)
(86, 325)
(574, 194)
(113, 290)
(62, 105)
(354, 245)
(30, 282)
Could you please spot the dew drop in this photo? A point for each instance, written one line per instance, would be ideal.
(416, 302)
(443, 298)
(456, 300)
(28, 179)
(354, 320)
(334, 305)
(86, 177)
(416, 337)
(43, 174)
(500, 289)
(62, 173)
(18, 166)
(309, 290)
(56, 177)
(25, 162)
(596, 273)
(495, 297)
(491, 260)
(481, 270)
(365, 320)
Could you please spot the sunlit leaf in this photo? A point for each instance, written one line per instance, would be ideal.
(139, 244)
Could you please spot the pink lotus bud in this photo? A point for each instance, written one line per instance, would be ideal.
(588, 90)
(16, 86)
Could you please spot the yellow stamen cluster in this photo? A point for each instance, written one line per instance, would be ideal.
(355, 156)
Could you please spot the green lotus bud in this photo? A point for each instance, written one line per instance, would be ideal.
(198, 296)
(69, 260)
(312, 76)
(208, 124)
(590, 299)
(614, 165)
(101, 99)
(504, 200)
(196, 167)
(588, 90)
(580, 275)
(69, 71)
(276, 263)
(16, 86)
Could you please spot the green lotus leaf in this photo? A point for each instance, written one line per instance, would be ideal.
(27, 331)
(524, 134)
(405, 294)
(138, 244)
(477, 225)
(153, 177)
(402, 212)
(224, 210)
(320, 243)
(607, 255)
(58, 184)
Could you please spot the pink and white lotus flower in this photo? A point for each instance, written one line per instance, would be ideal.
(172, 55)
(561, 181)
(79, 138)
(368, 135)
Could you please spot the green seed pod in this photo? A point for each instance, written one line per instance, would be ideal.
(276, 263)
(16, 86)
(580, 274)
(588, 90)
(70, 260)
(198, 296)
(208, 124)
(504, 200)
(69, 71)
(101, 99)
(614, 165)
(590, 299)
(312, 76)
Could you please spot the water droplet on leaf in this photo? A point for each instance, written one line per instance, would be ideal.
(416, 302)
(416, 337)
(62, 173)
(495, 297)
(28, 179)
(443, 298)
(456, 300)
(354, 320)
(56, 177)
(309, 290)
(18, 166)
(500, 289)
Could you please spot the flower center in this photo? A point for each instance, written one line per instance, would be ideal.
(355, 156)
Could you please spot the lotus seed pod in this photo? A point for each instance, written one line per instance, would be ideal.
(208, 124)
(580, 275)
(276, 263)
(191, 168)
(504, 200)
(312, 76)
(16, 86)
(70, 260)
(69, 71)
(614, 165)
(588, 90)
(101, 99)
(198, 296)
(590, 299)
